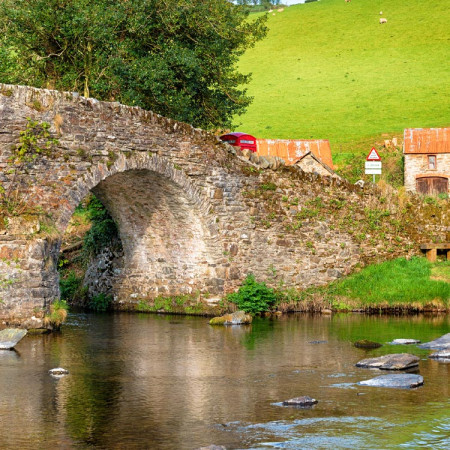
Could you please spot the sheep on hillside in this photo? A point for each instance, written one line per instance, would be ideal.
(382, 20)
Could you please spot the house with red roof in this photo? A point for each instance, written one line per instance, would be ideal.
(427, 160)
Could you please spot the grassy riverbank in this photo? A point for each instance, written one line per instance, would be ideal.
(397, 286)
(402, 285)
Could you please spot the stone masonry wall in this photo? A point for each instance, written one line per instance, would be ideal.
(193, 215)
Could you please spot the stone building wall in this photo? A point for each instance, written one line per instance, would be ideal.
(417, 164)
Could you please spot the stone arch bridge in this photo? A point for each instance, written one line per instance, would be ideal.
(192, 216)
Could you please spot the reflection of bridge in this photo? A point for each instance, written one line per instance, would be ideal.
(180, 198)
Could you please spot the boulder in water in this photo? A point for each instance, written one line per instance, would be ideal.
(10, 337)
(442, 343)
(364, 343)
(304, 401)
(396, 361)
(213, 447)
(443, 355)
(404, 342)
(236, 318)
(58, 372)
(398, 380)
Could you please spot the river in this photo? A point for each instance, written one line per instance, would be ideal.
(172, 382)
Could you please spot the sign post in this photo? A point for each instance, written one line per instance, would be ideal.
(373, 164)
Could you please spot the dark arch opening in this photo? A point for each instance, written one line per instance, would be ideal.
(163, 247)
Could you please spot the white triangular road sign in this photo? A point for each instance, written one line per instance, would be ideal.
(373, 155)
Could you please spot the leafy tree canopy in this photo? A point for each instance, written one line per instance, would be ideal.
(177, 58)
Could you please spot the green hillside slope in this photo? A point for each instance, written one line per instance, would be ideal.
(330, 70)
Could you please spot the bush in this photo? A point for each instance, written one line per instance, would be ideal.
(253, 297)
(103, 231)
(100, 302)
(70, 285)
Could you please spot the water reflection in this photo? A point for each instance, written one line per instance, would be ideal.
(146, 381)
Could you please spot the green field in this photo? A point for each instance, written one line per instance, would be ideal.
(330, 70)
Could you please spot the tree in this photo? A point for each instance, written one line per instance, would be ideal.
(177, 58)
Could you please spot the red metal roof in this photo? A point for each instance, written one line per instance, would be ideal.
(293, 149)
(426, 140)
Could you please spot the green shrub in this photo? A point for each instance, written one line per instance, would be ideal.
(100, 302)
(253, 297)
(70, 285)
(103, 231)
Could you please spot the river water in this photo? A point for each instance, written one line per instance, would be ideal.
(172, 382)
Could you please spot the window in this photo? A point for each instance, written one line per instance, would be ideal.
(432, 162)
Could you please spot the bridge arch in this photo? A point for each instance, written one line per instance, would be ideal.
(165, 225)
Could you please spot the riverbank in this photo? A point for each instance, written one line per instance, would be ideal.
(399, 286)
(396, 286)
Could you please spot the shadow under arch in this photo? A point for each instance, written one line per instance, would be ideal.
(168, 235)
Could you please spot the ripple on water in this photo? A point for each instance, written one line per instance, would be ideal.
(437, 438)
(310, 433)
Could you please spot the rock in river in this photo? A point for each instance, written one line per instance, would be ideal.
(442, 343)
(396, 361)
(404, 342)
(58, 372)
(213, 447)
(300, 401)
(398, 380)
(364, 343)
(237, 318)
(10, 337)
(443, 355)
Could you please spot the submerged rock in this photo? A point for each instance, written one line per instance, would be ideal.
(300, 401)
(442, 343)
(396, 361)
(10, 337)
(404, 342)
(38, 331)
(236, 318)
(398, 380)
(364, 343)
(443, 355)
(213, 447)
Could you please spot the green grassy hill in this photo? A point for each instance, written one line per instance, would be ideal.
(330, 70)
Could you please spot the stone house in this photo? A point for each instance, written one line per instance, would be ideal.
(427, 160)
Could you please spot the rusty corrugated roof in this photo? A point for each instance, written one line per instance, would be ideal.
(293, 149)
(426, 140)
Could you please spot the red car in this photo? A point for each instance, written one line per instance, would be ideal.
(242, 140)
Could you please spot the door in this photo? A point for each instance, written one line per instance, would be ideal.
(432, 185)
